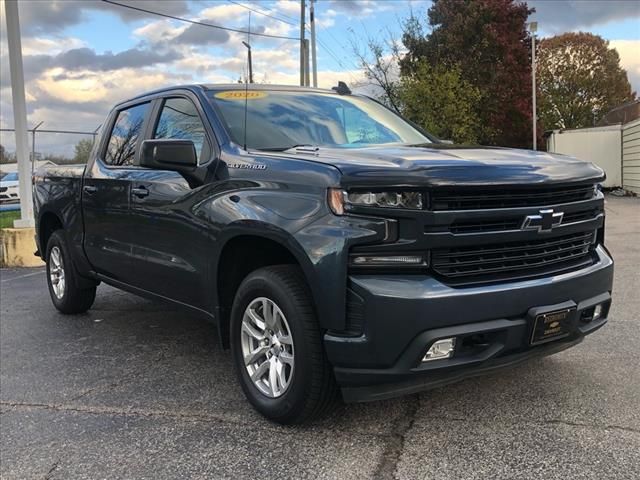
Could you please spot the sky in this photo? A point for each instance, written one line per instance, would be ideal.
(83, 56)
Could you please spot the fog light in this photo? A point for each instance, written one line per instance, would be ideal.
(592, 314)
(440, 349)
(597, 312)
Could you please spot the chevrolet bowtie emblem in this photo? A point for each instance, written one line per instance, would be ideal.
(543, 222)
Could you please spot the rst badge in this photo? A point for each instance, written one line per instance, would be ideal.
(543, 222)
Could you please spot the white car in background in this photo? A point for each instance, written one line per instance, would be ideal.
(9, 188)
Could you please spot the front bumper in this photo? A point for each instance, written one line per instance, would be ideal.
(403, 315)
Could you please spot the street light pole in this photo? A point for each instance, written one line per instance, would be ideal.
(302, 48)
(533, 27)
(19, 115)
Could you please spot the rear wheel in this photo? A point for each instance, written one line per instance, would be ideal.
(61, 279)
(277, 347)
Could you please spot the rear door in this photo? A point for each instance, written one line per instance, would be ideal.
(106, 194)
(171, 244)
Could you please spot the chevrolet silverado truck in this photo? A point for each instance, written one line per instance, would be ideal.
(338, 248)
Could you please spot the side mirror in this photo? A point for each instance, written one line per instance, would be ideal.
(169, 154)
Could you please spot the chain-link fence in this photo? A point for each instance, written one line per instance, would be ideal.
(47, 146)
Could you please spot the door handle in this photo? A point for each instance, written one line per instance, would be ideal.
(90, 189)
(140, 192)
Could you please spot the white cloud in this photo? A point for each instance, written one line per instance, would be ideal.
(629, 59)
(290, 8)
(572, 15)
(37, 45)
(159, 31)
(326, 78)
(225, 12)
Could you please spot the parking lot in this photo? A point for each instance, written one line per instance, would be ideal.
(139, 390)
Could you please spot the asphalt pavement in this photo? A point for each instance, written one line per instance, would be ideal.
(139, 390)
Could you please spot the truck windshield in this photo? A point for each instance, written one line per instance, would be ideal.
(279, 120)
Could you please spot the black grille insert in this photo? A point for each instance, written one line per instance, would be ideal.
(514, 260)
(474, 199)
(514, 222)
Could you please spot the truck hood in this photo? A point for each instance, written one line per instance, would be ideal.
(448, 165)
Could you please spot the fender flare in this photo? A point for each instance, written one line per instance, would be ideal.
(256, 228)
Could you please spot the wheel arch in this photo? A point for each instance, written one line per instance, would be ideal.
(48, 223)
(245, 250)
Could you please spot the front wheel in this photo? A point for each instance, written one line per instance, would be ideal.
(66, 296)
(277, 346)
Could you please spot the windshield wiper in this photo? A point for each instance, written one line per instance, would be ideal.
(284, 149)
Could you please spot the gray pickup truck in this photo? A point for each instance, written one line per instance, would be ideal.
(338, 248)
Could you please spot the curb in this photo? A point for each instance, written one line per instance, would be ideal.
(17, 246)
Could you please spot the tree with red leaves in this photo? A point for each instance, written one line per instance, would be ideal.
(488, 42)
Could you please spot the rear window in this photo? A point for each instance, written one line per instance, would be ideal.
(123, 142)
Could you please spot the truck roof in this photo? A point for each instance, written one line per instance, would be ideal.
(229, 86)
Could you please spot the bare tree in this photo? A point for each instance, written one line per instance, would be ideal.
(379, 59)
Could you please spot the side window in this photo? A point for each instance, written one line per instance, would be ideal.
(121, 150)
(179, 119)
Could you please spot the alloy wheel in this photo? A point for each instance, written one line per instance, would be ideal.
(56, 272)
(267, 347)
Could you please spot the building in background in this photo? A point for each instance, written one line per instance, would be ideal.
(613, 147)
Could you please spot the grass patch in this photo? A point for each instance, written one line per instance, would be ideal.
(7, 218)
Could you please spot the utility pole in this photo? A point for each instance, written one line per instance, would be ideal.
(533, 27)
(33, 147)
(302, 55)
(19, 115)
(314, 63)
(250, 61)
(307, 80)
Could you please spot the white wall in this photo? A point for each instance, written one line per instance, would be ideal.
(600, 145)
(631, 156)
(13, 167)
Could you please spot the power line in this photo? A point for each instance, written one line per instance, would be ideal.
(327, 48)
(332, 53)
(280, 14)
(261, 13)
(347, 71)
(195, 22)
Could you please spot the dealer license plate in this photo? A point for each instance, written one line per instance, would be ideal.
(551, 326)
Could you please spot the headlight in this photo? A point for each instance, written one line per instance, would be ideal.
(339, 200)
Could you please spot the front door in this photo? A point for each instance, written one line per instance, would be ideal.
(172, 245)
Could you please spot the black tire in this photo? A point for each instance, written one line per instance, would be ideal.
(69, 299)
(312, 389)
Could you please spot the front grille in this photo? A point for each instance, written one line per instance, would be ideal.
(3, 189)
(514, 222)
(474, 199)
(479, 226)
(514, 260)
